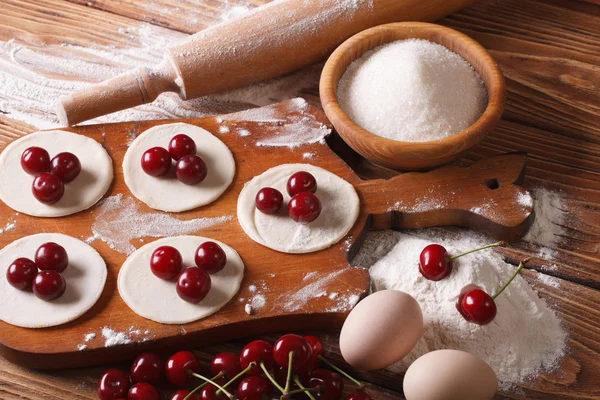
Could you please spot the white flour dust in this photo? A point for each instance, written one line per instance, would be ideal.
(289, 126)
(524, 340)
(119, 220)
(33, 78)
(548, 229)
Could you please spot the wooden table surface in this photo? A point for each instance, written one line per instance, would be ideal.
(549, 51)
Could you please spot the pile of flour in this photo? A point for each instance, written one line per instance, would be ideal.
(524, 340)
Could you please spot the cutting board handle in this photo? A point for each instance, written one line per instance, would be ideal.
(485, 196)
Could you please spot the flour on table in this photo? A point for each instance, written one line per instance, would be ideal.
(548, 229)
(339, 202)
(32, 78)
(525, 339)
(119, 221)
(113, 338)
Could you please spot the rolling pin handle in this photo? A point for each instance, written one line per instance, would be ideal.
(130, 89)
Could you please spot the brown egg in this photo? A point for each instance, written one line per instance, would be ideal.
(450, 375)
(381, 330)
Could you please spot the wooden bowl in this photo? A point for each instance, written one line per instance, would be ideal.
(411, 155)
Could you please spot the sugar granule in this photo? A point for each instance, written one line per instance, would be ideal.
(412, 90)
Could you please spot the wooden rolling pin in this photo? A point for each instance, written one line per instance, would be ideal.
(272, 40)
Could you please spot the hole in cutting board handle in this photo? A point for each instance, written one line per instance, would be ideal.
(493, 184)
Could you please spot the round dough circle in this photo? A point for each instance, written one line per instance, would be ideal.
(339, 202)
(167, 193)
(85, 276)
(157, 299)
(85, 191)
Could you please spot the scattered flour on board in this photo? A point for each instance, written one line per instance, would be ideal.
(113, 338)
(549, 280)
(258, 299)
(526, 338)
(89, 337)
(10, 226)
(119, 220)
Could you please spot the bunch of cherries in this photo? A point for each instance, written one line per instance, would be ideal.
(189, 167)
(290, 367)
(193, 283)
(44, 275)
(50, 175)
(304, 206)
(474, 304)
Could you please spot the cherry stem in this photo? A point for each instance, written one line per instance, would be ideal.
(273, 381)
(305, 390)
(289, 372)
(235, 378)
(301, 386)
(215, 384)
(521, 265)
(497, 244)
(331, 365)
(200, 387)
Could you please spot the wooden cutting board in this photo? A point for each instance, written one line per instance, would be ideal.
(309, 291)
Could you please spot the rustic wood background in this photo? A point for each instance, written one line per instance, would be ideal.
(549, 51)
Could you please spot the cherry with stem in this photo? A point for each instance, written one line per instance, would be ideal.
(202, 386)
(435, 263)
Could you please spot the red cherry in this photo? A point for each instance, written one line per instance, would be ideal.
(301, 182)
(193, 284)
(148, 368)
(228, 364)
(434, 263)
(113, 385)
(358, 396)
(156, 161)
(210, 257)
(179, 367)
(49, 285)
(257, 351)
(21, 272)
(210, 393)
(181, 145)
(47, 188)
(191, 169)
(166, 262)
(477, 306)
(304, 207)
(330, 384)
(317, 349)
(255, 388)
(143, 391)
(51, 256)
(66, 166)
(292, 343)
(35, 160)
(269, 200)
(182, 394)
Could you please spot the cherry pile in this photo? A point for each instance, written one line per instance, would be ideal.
(50, 175)
(304, 207)
(474, 304)
(189, 167)
(193, 283)
(42, 276)
(289, 369)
